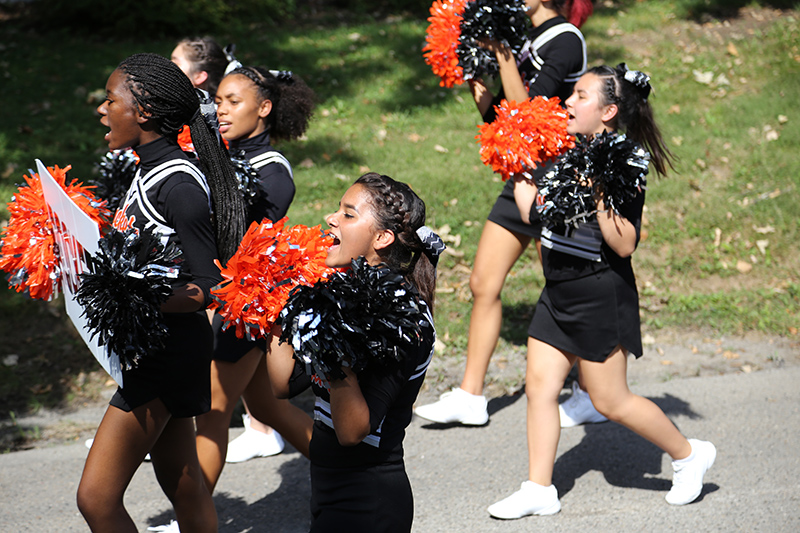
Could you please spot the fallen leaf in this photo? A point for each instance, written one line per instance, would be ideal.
(441, 149)
(730, 355)
(306, 163)
(694, 349)
(783, 119)
(666, 362)
(674, 110)
(703, 77)
(772, 135)
(414, 137)
(743, 266)
(732, 50)
(648, 339)
(764, 230)
(762, 246)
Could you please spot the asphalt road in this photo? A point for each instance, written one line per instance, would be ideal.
(608, 478)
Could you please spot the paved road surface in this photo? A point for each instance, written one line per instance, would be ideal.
(608, 479)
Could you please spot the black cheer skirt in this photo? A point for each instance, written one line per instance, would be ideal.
(368, 499)
(589, 316)
(179, 375)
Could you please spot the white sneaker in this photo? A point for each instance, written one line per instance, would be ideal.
(456, 405)
(253, 443)
(687, 481)
(89, 443)
(172, 527)
(531, 498)
(578, 409)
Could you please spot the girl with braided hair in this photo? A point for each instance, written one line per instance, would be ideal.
(588, 312)
(358, 478)
(551, 60)
(254, 106)
(148, 100)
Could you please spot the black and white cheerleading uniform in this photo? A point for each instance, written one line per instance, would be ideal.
(276, 191)
(364, 488)
(550, 62)
(170, 194)
(589, 304)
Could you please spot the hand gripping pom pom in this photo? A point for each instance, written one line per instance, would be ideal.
(29, 253)
(122, 296)
(441, 41)
(498, 20)
(115, 173)
(609, 165)
(524, 135)
(270, 261)
(360, 318)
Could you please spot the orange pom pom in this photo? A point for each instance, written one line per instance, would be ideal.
(524, 135)
(28, 250)
(270, 262)
(442, 40)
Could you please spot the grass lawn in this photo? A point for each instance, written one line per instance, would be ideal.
(720, 251)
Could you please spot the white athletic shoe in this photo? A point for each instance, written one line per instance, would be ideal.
(89, 443)
(578, 409)
(172, 527)
(456, 405)
(687, 481)
(253, 443)
(531, 498)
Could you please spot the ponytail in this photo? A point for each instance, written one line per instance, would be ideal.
(629, 90)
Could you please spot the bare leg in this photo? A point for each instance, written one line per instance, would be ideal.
(607, 385)
(228, 381)
(178, 472)
(498, 250)
(289, 420)
(121, 442)
(546, 371)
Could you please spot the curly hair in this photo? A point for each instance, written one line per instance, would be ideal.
(292, 100)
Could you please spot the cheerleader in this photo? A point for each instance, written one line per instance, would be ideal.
(588, 312)
(148, 100)
(358, 478)
(203, 61)
(254, 106)
(549, 63)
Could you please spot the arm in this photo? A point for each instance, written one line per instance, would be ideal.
(275, 192)
(525, 191)
(349, 409)
(186, 210)
(619, 233)
(482, 96)
(280, 364)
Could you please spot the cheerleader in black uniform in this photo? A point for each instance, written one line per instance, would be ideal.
(254, 105)
(549, 64)
(589, 309)
(148, 100)
(358, 478)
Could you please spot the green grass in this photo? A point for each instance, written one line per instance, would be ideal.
(381, 109)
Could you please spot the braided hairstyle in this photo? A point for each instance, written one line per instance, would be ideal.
(292, 100)
(165, 95)
(575, 11)
(634, 113)
(206, 55)
(397, 208)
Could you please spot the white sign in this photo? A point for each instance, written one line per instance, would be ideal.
(77, 237)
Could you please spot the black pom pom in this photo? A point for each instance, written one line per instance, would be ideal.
(122, 296)
(247, 177)
(115, 173)
(501, 21)
(360, 318)
(610, 165)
